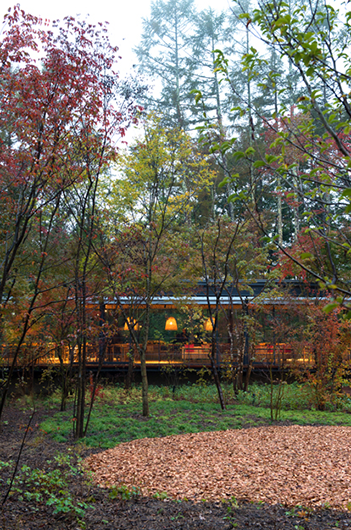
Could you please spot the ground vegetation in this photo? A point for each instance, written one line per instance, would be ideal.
(50, 476)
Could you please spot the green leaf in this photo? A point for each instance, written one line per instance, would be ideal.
(249, 151)
(271, 158)
(244, 15)
(259, 163)
(330, 307)
(224, 182)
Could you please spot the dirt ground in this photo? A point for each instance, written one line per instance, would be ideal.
(143, 512)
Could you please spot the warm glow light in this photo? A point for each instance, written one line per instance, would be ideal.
(171, 324)
(208, 325)
(134, 323)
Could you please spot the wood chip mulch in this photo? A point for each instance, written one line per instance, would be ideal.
(292, 465)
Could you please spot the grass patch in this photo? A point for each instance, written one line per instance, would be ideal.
(116, 417)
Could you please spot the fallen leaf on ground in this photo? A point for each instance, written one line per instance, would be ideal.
(293, 465)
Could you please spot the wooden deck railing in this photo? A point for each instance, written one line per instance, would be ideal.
(157, 353)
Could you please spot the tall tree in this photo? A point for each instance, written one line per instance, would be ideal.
(230, 257)
(208, 34)
(164, 56)
(62, 118)
(162, 174)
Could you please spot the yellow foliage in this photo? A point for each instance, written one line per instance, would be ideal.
(160, 176)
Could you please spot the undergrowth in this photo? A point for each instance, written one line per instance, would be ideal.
(52, 487)
(117, 418)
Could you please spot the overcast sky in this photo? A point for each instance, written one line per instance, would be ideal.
(124, 17)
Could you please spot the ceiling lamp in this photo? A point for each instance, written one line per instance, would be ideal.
(133, 323)
(208, 325)
(171, 324)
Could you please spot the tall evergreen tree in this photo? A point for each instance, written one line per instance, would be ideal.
(208, 35)
(164, 55)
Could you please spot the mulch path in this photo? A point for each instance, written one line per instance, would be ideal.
(147, 513)
(291, 464)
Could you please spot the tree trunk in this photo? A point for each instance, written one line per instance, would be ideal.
(144, 384)
(81, 389)
(128, 380)
(248, 373)
(64, 385)
(102, 352)
(215, 372)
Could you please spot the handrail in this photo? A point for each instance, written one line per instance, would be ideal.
(265, 354)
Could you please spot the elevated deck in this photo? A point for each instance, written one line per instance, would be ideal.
(159, 354)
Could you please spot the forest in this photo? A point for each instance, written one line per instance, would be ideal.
(236, 173)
